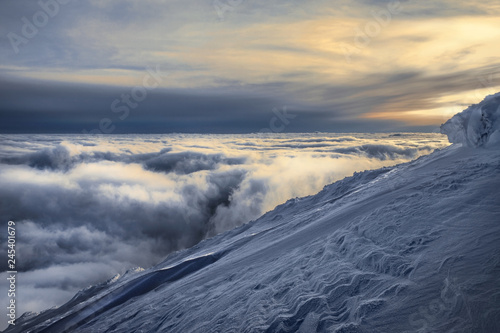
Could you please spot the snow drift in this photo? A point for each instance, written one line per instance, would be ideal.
(477, 126)
(412, 248)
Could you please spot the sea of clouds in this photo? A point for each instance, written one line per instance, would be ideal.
(90, 207)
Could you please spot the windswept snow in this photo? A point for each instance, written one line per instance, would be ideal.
(478, 125)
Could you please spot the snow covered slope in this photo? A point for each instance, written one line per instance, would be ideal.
(413, 248)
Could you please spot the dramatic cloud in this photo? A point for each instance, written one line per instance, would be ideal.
(381, 152)
(342, 66)
(87, 208)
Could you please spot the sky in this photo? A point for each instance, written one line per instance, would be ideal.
(241, 66)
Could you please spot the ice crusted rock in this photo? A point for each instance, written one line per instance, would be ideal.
(476, 126)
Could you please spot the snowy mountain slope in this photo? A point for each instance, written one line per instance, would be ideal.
(413, 248)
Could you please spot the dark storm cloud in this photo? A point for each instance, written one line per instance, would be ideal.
(35, 107)
(62, 108)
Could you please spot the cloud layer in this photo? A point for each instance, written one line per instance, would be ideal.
(342, 66)
(88, 208)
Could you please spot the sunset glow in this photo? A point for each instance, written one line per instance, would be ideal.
(404, 65)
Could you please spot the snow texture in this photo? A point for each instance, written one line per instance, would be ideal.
(477, 126)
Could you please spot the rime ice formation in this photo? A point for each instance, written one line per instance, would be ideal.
(477, 126)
